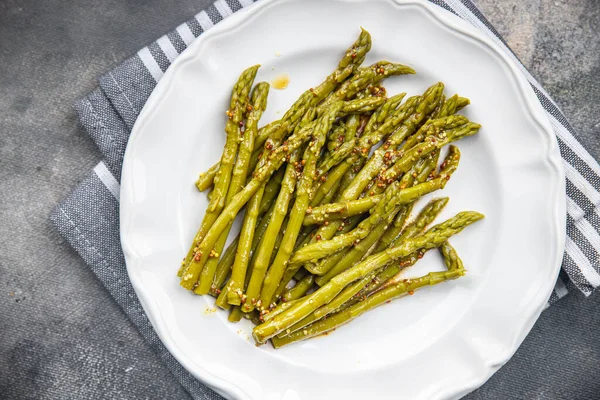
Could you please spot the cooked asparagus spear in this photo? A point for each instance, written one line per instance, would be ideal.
(237, 107)
(299, 290)
(256, 107)
(277, 268)
(434, 237)
(383, 296)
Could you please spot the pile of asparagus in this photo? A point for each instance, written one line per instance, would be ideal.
(325, 233)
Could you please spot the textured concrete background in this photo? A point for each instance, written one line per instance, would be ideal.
(62, 336)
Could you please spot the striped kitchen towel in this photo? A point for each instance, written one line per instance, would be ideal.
(88, 218)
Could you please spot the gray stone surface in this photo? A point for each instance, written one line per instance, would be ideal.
(62, 336)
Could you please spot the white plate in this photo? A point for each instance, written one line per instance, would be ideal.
(439, 344)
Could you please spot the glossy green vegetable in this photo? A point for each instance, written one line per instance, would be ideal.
(337, 134)
(257, 105)
(272, 163)
(299, 290)
(399, 127)
(281, 307)
(311, 154)
(224, 267)
(370, 137)
(434, 141)
(321, 266)
(335, 211)
(226, 262)
(389, 293)
(206, 179)
(336, 304)
(235, 286)
(392, 199)
(364, 77)
(336, 156)
(237, 107)
(292, 269)
(269, 164)
(349, 63)
(367, 246)
(424, 169)
(327, 190)
(434, 237)
(271, 191)
(235, 315)
(451, 258)
(425, 217)
(262, 259)
(413, 111)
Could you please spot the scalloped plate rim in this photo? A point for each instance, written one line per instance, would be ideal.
(229, 389)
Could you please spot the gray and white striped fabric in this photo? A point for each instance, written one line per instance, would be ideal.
(88, 218)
